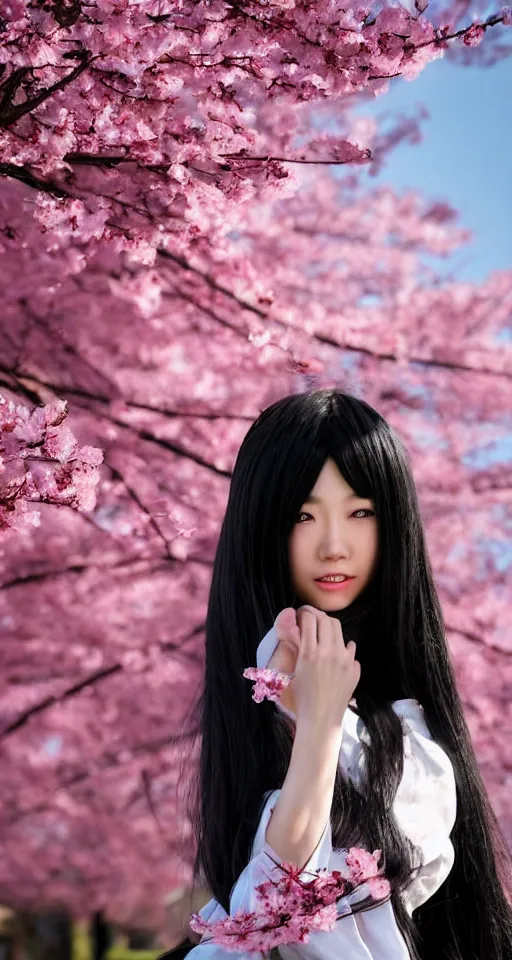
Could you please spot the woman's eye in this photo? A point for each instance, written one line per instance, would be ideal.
(370, 513)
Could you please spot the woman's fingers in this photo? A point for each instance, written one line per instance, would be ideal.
(338, 631)
(321, 630)
(325, 634)
(286, 620)
(285, 655)
(287, 629)
(331, 628)
(308, 634)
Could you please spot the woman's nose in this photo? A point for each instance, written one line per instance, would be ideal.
(334, 545)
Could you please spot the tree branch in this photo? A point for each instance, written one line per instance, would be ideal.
(366, 155)
(152, 746)
(9, 113)
(21, 173)
(70, 692)
(77, 568)
(475, 638)
(67, 391)
(141, 433)
(172, 447)
(135, 497)
(170, 647)
(376, 354)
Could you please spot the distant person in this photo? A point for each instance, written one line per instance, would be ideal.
(101, 939)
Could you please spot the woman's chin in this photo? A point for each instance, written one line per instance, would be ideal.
(328, 602)
(334, 604)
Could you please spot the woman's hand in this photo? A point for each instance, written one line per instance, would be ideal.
(326, 671)
(296, 629)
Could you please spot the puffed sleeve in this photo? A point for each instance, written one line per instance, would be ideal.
(425, 804)
(260, 868)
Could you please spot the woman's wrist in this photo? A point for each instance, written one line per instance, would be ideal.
(321, 732)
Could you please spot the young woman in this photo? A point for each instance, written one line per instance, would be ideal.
(322, 573)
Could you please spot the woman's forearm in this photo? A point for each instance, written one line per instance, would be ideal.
(304, 804)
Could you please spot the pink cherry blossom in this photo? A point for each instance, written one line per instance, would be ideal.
(40, 461)
(292, 907)
(379, 887)
(474, 36)
(364, 865)
(268, 684)
(185, 237)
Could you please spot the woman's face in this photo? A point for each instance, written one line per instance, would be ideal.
(335, 533)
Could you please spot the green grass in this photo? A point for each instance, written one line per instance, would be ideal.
(120, 953)
(80, 944)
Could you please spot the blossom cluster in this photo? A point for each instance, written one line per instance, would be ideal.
(40, 460)
(133, 126)
(291, 908)
(268, 684)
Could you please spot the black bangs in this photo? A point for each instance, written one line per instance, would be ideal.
(285, 449)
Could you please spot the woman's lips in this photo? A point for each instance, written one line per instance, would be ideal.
(330, 585)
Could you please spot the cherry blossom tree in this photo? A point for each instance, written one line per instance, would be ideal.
(186, 237)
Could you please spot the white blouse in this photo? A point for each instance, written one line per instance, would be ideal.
(424, 808)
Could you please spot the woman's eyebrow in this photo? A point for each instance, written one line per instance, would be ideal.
(351, 496)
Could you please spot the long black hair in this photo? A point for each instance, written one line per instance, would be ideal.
(398, 628)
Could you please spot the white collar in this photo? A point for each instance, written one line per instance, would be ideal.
(266, 648)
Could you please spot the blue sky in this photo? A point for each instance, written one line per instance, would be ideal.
(465, 156)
